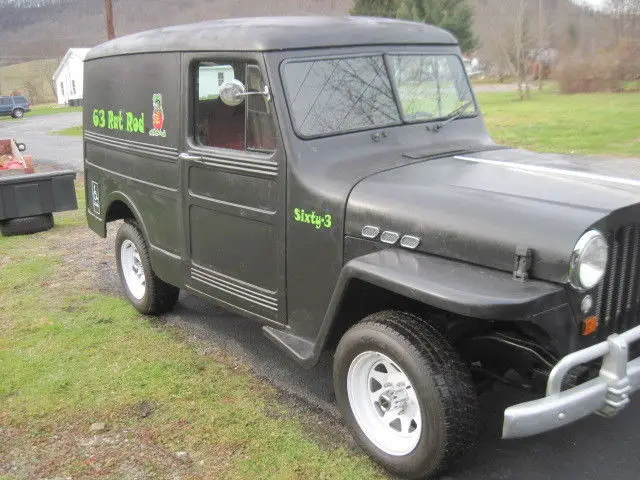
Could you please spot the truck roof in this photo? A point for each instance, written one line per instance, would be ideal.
(275, 33)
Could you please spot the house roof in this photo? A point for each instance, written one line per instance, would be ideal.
(80, 53)
(275, 33)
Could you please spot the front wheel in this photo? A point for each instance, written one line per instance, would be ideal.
(405, 394)
(145, 290)
(17, 113)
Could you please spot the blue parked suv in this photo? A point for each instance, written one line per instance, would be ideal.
(14, 106)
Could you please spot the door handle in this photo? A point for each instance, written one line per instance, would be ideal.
(189, 157)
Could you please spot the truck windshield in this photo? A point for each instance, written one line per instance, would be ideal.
(339, 95)
(430, 87)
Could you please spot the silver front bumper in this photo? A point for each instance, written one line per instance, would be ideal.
(605, 395)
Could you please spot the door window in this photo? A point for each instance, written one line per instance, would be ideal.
(248, 126)
(5, 101)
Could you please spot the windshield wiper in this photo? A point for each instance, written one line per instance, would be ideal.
(456, 114)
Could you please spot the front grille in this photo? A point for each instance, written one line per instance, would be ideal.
(619, 304)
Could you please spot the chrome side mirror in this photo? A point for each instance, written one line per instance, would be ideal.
(233, 92)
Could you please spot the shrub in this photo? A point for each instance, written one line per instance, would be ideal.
(602, 72)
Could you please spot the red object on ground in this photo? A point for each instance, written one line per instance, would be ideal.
(12, 159)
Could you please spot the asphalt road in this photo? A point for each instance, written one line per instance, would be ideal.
(592, 449)
(49, 151)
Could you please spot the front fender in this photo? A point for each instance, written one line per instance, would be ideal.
(456, 287)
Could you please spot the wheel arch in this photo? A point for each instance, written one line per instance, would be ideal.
(442, 289)
(121, 207)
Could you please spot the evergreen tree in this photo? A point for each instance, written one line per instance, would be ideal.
(453, 15)
(375, 8)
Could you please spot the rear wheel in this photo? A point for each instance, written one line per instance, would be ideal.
(17, 113)
(145, 290)
(26, 225)
(405, 394)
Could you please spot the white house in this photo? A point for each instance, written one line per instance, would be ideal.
(68, 76)
(211, 78)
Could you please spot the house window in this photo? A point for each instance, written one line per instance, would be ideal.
(248, 126)
(220, 78)
(61, 88)
(73, 87)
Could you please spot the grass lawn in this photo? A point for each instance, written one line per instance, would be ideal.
(46, 109)
(599, 123)
(69, 132)
(71, 357)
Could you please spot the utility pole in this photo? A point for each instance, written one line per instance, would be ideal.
(541, 22)
(108, 13)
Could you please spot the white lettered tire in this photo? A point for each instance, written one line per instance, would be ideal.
(405, 394)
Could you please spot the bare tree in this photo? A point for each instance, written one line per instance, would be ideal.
(626, 17)
(508, 38)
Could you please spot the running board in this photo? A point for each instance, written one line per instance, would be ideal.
(298, 348)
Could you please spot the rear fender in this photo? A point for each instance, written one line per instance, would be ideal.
(99, 224)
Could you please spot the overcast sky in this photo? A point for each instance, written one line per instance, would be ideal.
(594, 3)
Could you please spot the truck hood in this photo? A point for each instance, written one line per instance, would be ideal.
(480, 207)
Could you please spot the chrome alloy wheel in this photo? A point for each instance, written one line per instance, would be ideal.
(132, 269)
(384, 403)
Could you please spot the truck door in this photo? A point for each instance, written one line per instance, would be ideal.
(233, 175)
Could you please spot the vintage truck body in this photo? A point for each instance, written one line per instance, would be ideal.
(341, 198)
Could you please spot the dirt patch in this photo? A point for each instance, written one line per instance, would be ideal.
(73, 451)
(87, 260)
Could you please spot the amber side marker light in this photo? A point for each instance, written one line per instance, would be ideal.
(589, 325)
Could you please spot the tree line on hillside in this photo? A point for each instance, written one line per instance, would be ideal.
(587, 49)
(523, 38)
(38, 29)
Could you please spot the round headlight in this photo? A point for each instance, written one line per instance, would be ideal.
(589, 261)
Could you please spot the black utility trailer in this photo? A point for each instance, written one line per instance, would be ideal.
(27, 201)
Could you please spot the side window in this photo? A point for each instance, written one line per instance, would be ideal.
(260, 128)
(5, 101)
(73, 87)
(247, 126)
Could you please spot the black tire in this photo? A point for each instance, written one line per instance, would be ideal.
(159, 296)
(442, 383)
(26, 225)
(17, 113)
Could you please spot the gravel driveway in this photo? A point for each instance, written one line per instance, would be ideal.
(50, 152)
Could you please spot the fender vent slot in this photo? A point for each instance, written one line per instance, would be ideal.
(389, 237)
(409, 241)
(370, 231)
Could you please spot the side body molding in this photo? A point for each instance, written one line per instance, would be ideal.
(453, 286)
